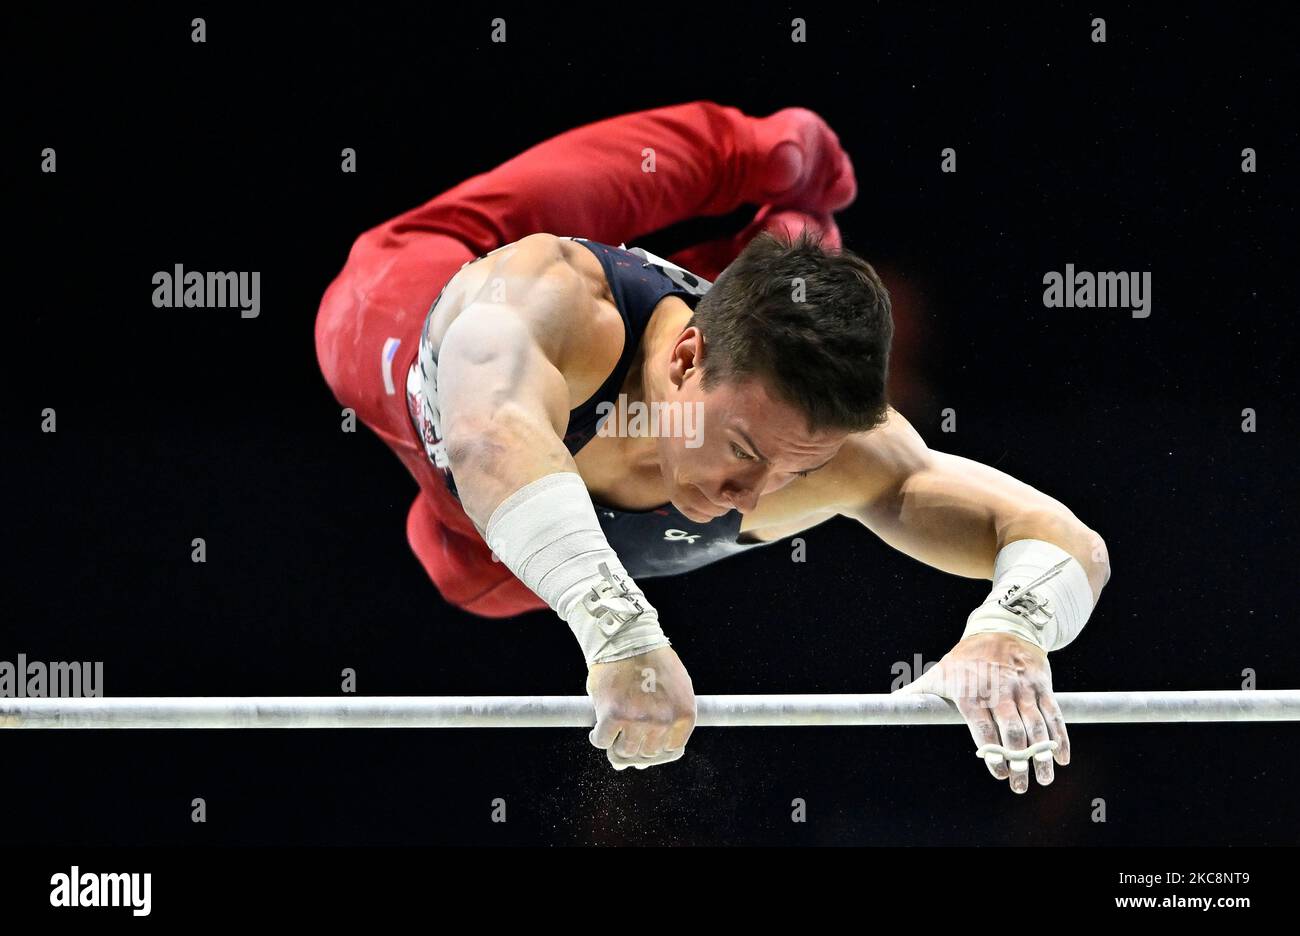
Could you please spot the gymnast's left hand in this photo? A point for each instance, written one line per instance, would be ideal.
(1002, 686)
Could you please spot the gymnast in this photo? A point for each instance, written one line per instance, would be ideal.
(486, 335)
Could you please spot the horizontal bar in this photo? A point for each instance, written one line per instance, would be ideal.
(731, 711)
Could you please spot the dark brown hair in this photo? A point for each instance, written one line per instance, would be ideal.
(813, 322)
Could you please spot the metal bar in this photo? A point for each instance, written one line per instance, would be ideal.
(732, 711)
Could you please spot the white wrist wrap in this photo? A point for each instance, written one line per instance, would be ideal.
(548, 535)
(1040, 593)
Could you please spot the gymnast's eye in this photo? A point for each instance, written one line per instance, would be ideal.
(740, 452)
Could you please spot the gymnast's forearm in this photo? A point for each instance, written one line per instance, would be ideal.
(957, 515)
(1048, 574)
(503, 408)
(495, 454)
(971, 519)
(1060, 528)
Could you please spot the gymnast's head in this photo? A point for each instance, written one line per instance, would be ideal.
(785, 357)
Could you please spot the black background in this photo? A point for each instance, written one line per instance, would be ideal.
(176, 423)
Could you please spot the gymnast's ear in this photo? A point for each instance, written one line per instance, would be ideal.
(687, 355)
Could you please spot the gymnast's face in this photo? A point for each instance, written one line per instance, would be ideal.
(738, 442)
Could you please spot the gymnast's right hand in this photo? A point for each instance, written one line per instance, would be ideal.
(645, 708)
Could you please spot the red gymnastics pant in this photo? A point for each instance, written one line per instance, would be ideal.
(589, 182)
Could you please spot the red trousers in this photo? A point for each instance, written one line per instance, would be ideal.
(590, 182)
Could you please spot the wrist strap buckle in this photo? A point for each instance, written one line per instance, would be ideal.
(1021, 600)
(611, 603)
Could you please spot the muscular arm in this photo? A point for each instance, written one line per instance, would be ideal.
(957, 515)
(503, 397)
(947, 511)
(520, 352)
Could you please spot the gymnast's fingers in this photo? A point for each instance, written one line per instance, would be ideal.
(1036, 728)
(628, 742)
(1055, 726)
(641, 763)
(606, 730)
(980, 722)
(1014, 738)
